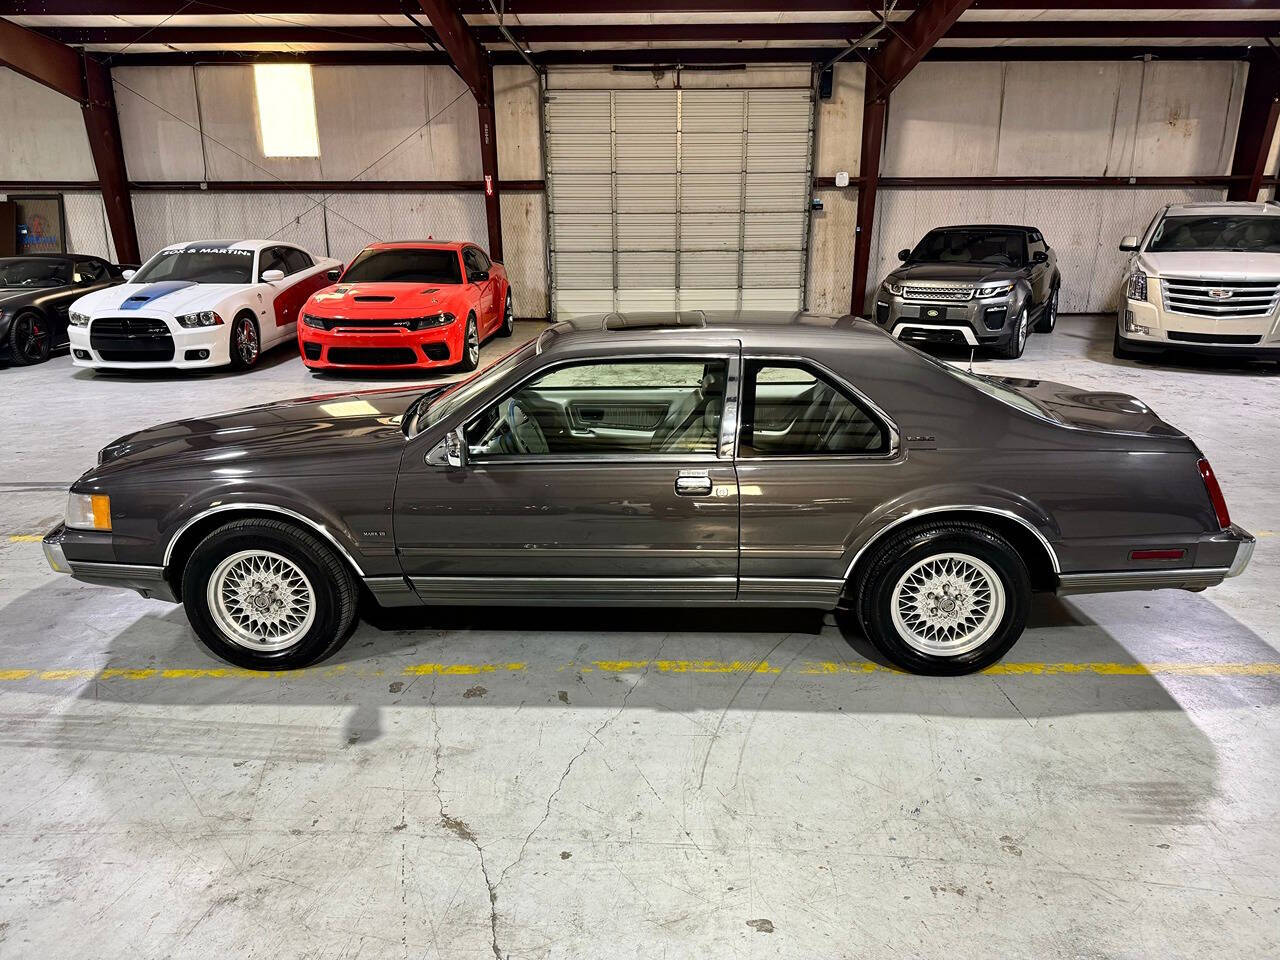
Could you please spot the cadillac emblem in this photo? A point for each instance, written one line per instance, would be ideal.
(1218, 293)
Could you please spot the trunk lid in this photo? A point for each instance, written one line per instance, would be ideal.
(1092, 409)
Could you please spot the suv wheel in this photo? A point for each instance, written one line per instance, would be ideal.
(945, 598)
(265, 595)
(1049, 316)
(1012, 349)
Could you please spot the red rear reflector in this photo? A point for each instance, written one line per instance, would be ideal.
(1215, 494)
(1157, 554)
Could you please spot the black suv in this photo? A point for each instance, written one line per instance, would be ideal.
(981, 285)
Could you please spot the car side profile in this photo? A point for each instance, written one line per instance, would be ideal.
(198, 305)
(409, 305)
(1204, 278)
(983, 285)
(738, 459)
(36, 293)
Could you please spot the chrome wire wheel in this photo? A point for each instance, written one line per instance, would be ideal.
(245, 341)
(261, 600)
(948, 604)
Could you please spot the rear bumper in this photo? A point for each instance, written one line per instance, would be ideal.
(146, 580)
(1235, 544)
(380, 349)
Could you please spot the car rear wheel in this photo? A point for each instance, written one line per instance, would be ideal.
(944, 598)
(246, 346)
(30, 339)
(470, 346)
(1049, 316)
(508, 318)
(1012, 349)
(266, 595)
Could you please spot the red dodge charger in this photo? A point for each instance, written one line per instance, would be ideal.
(409, 305)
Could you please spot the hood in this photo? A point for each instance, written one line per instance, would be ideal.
(955, 272)
(19, 295)
(171, 296)
(345, 300)
(1092, 410)
(354, 432)
(1223, 265)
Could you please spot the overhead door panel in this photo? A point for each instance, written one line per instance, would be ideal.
(678, 199)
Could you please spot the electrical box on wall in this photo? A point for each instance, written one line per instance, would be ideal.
(842, 178)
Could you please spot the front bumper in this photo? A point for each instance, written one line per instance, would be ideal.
(970, 323)
(380, 348)
(146, 580)
(154, 341)
(1164, 331)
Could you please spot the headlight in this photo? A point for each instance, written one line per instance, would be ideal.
(1137, 286)
(88, 511)
(425, 323)
(205, 318)
(994, 290)
(894, 288)
(78, 319)
(317, 322)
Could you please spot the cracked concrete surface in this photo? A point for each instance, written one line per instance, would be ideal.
(647, 783)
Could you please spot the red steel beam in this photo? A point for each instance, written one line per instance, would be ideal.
(1258, 115)
(474, 66)
(85, 80)
(71, 8)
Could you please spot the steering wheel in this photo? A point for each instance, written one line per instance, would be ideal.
(523, 429)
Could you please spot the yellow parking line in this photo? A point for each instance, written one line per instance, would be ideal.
(25, 537)
(812, 668)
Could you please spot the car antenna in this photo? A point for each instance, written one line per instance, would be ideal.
(972, 351)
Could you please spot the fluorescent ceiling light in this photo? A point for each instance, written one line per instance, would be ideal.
(286, 110)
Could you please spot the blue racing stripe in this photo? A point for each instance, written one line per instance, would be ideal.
(153, 292)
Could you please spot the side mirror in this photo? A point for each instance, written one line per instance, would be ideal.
(1129, 244)
(128, 274)
(451, 451)
(904, 255)
(1040, 257)
(478, 276)
(271, 276)
(333, 275)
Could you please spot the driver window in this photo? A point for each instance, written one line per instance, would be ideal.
(88, 271)
(792, 410)
(273, 259)
(639, 407)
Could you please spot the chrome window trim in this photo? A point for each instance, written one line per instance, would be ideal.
(717, 353)
(319, 528)
(895, 435)
(952, 508)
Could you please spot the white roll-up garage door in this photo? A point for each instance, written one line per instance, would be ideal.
(678, 199)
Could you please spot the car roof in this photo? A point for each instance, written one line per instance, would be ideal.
(776, 330)
(421, 245)
(211, 245)
(987, 226)
(1223, 208)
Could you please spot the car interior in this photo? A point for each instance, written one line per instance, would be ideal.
(672, 408)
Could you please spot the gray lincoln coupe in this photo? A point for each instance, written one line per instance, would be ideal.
(662, 459)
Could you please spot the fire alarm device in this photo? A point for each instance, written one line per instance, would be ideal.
(842, 178)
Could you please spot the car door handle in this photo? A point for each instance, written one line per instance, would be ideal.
(693, 486)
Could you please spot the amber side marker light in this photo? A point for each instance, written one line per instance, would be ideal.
(1215, 494)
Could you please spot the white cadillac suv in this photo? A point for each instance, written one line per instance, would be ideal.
(1205, 277)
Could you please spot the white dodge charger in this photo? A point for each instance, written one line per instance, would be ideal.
(204, 304)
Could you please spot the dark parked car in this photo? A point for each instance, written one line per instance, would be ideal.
(36, 293)
(739, 459)
(980, 286)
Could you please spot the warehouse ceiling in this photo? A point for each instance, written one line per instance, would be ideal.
(572, 30)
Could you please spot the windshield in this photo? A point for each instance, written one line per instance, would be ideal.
(198, 266)
(1235, 234)
(404, 266)
(440, 403)
(34, 272)
(1003, 247)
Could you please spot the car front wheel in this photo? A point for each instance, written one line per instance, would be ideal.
(246, 346)
(266, 595)
(470, 346)
(945, 598)
(1017, 342)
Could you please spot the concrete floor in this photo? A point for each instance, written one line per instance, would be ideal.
(526, 783)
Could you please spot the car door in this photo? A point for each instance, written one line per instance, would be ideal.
(301, 280)
(1041, 273)
(477, 266)
(545, 512)
(814, 455)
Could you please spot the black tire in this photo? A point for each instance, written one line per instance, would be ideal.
(1048, 318)
(246, 342)
(508, 318)
(333, 592)
(892, 560)
(1013, 348)
(30, 339)
(470, 346)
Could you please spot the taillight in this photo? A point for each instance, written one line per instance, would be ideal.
(1215, 494)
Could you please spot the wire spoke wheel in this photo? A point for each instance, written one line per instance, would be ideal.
(261, 600)
(948, 604)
